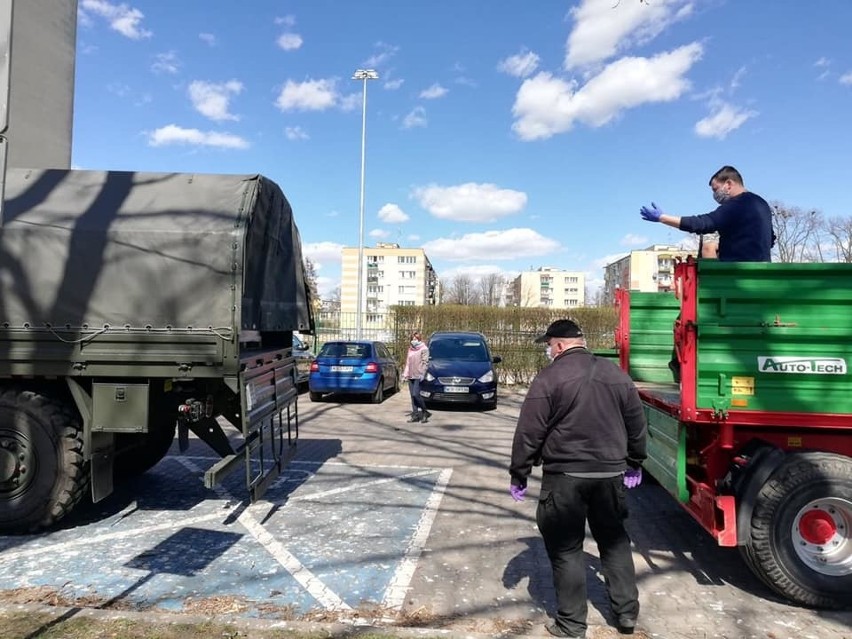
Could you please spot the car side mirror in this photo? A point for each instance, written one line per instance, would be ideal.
(496, 359)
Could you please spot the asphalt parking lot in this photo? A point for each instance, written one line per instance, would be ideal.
(399, 523)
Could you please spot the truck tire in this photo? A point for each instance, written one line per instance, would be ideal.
(800, 542)
(42, 471)
(136, 454)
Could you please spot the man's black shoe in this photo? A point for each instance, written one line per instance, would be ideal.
(426, 416)
(626, 625)
(556, 631)
(415, 417)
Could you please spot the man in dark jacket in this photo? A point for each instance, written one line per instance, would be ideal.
(582, 418)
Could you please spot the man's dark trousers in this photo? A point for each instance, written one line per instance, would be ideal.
(563, 507)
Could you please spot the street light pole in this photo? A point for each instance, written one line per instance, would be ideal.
(364, 75)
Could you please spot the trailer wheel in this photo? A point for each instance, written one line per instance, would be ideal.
(136, 454)
(801, 530)
(42, 471)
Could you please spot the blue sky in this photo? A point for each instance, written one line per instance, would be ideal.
(501, 136)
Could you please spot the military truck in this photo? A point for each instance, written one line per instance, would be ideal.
(134, 307)
(756, 440)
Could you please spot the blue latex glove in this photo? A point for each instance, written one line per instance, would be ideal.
(517, 493)
(651, 213)
(632, 477)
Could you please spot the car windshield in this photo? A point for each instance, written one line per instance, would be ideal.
(341, 349)
(459, 349)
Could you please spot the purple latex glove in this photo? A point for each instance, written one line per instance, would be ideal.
(651, 213)
(632, 477)
(517, 493)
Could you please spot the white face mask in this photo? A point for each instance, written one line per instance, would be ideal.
(415, 343)
(548, 352)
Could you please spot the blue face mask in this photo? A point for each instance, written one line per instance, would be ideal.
(415, 343)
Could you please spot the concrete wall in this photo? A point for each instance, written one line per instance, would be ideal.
(41, 106)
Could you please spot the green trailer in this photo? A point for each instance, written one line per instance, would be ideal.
(138, 306)
(756, 439)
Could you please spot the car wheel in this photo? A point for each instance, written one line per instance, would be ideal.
(315, 397)
(379, 394)
(396, 384)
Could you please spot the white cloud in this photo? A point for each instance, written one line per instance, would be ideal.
(350, 102)
(738, 76)
(509, 244)
(382, 56)
(416, 118)
(391, 214)
(520, 65)
(289, 41)
(173, 134)
(287, 21)
(310, 95)
(393, 85)
(212, 100)
(122, 18)
(470, 202)
(602, 30)
(433, 92)
(296, 133)
(724, 119)
(633, 240)
(546, 105)
(166, 63)
(601, 262)
(379, 234)
(323, 253)
(846, 78)
(413, 238)
(207, 38)
(822, 62)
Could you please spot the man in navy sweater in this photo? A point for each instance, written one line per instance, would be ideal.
(742, 219)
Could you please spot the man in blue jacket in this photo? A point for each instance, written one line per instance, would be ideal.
(743, 219)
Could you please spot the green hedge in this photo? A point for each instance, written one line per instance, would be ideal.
(510, 331)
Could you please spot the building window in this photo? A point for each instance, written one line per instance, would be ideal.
(407, 275)
(406, 259)
(571, 280)
(406, 302)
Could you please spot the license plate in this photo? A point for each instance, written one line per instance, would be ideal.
(342, 369)
(455, 389)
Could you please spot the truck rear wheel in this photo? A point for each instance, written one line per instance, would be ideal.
(800, 540)
(42, 472)
(136, 454)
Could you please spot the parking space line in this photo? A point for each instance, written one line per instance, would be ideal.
(399, 583)
(88, 541)
(309, 581)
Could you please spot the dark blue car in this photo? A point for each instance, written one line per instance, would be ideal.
(461, 371)
(353, 367)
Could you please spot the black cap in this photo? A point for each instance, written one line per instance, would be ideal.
(560, 328)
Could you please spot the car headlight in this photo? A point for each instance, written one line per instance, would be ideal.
(430, 377)
(487, 378)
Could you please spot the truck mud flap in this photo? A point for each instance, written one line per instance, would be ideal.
(270, 424)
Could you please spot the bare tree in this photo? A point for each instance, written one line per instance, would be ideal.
(491, 289)
(310, 272)
(461, 290)
(797, 234)
(334, 299)
(838, 231)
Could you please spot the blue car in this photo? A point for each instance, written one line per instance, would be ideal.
(353, 367)
(461, 371)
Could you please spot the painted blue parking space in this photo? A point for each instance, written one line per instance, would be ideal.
(326, 536)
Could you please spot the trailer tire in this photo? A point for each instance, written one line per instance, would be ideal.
(144, 451)
(811, 571)
(43, 471)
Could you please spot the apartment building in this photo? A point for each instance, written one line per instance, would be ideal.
(391, 276)
(549, 288)
(648, 270)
